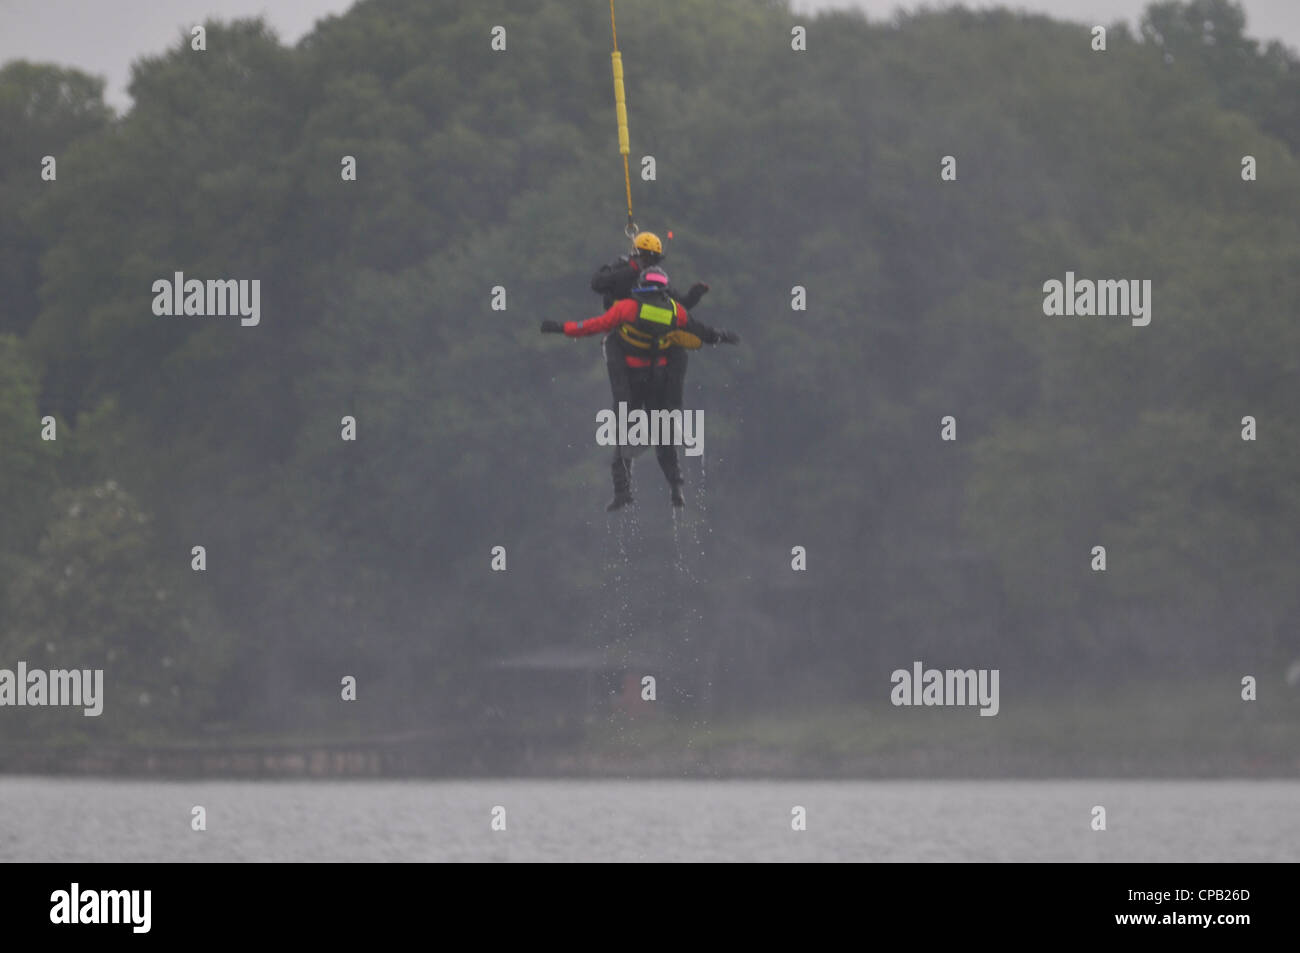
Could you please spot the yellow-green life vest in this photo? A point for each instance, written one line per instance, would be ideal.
(652, 326)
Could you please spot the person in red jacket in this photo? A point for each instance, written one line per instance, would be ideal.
(616, 281)
(646, 326)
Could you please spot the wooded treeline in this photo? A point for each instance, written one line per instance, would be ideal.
(775, 168)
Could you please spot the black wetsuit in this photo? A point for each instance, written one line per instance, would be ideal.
(616, 281)
(638, 375)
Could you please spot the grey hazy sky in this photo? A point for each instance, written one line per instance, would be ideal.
(104, 36)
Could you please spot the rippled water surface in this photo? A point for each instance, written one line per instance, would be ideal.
(70, 819)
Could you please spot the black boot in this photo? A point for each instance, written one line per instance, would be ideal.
(678, 499)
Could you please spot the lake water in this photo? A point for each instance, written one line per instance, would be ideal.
(74, 819)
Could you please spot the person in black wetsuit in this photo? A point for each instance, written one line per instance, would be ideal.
(642, 331)
(616, 281)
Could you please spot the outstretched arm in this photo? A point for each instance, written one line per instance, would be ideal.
(705, 333)
(692, 297)
(622, 312)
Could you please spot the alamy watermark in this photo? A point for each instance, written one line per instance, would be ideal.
(74, 906)
(1129, 298)
(215, 297)
(655, 428)
(953, 687)
(76, 688)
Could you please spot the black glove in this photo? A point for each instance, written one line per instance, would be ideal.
(728, 337)
(692, 297)
(552, 327)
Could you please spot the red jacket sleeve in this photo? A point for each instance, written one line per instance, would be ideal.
(623, 312)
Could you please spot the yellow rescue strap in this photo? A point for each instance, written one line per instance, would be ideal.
(684, 339)
(620, 108)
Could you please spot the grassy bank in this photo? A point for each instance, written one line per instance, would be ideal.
(1159, 731)
(1143, 731)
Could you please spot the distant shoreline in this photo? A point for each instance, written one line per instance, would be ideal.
(739, 762)
(1184, 732)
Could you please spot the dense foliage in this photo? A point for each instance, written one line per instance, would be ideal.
(776, 168)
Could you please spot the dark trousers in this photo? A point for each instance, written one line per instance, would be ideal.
(676, 369)
(648, 389)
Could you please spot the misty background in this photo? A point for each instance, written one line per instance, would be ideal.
(775, 169)
(105, 38)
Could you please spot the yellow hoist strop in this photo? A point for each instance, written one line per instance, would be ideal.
(620, 107)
